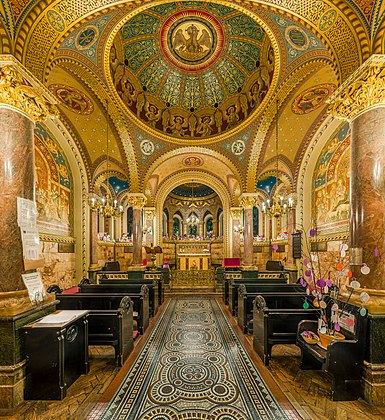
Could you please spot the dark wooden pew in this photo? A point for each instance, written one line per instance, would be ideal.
(248, 292)
(113, 328)
(275, 320)
(132, 277)
(108, 301)
(235, 283)
(126, 288)
(343, 360)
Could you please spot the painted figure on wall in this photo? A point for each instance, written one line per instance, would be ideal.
(53, 185)
(331, 183)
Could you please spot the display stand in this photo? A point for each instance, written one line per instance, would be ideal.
(56, 349)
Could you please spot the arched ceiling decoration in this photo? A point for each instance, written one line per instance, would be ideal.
(192, 71)
(191, 79)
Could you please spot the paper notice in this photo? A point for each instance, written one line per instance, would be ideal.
(34, 286)
(26, 213)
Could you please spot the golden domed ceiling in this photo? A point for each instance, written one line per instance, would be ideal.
(192, 73)
(191, 87)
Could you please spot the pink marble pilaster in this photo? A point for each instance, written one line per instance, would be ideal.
(93, 241)
(137, 236)
(367, 217)
(16, 180)
(291, 228)
(248, 236)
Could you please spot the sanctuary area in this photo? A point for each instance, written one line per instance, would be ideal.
(192, 200)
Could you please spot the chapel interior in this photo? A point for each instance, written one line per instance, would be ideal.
(187, 145)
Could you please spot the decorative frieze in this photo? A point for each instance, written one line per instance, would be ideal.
(136, 200)
(363, 90)
(20, 91)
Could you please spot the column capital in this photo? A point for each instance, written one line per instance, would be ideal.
(149, 213)
(363, 90)
(21, 91)
(236, 213)
(136, 200)
(248, 200)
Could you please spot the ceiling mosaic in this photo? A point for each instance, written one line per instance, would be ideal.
(192, 71)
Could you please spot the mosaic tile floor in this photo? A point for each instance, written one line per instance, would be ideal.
(193, 366)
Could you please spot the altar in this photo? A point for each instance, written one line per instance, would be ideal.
(193, 262)
(193, 256)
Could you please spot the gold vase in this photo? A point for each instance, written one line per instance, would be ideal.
(328, 337)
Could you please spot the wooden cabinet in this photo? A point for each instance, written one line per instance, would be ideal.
(56, 349)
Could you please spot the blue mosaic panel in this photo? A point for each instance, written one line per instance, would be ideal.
(171, 89)
(192, 97)
(152, 75)
(298, 40)
(267, 184)
(213, 89)
(137, 53)
(192, 3)
(220, 9)
(85, 40)
(164, 9)
(231, 75)
(245, 53)
(141, 24)
(118, 185)
(238, 147)
(243, 25)
(146, 146)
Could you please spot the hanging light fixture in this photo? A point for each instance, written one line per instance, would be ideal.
(192, 219)
(105, 205)
(280, 202)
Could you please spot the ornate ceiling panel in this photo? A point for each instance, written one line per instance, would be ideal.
(192, 71)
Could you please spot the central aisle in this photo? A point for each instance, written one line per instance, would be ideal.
(193, 365)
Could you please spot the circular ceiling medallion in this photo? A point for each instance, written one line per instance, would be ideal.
(192, 161)
(87, 37)
(72, 99)
(192, 39)
(312, 98)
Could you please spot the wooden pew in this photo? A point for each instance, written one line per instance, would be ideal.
(108, 301)
(248, 292)
(235, 283)
(126, 288)
(275, 320)
(113, 328)
(343, 360)
(127, 277)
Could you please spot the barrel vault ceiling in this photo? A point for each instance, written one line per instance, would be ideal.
(181, 86)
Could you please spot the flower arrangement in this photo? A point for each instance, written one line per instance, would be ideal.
(323, 286)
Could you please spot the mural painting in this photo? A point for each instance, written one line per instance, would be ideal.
(52, 184)
(170, 83)
(331, 184)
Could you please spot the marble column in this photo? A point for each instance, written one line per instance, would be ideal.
(291, 228)
(215, 228)
(201, 229)
(137, 201)
(170, 228)
(149, 216)
(247, 202)
(236, 216)
(361, 100)
(21, 105)
(94, 266)
(16, 180)
(23, 101)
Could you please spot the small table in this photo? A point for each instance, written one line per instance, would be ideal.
(56, 348)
